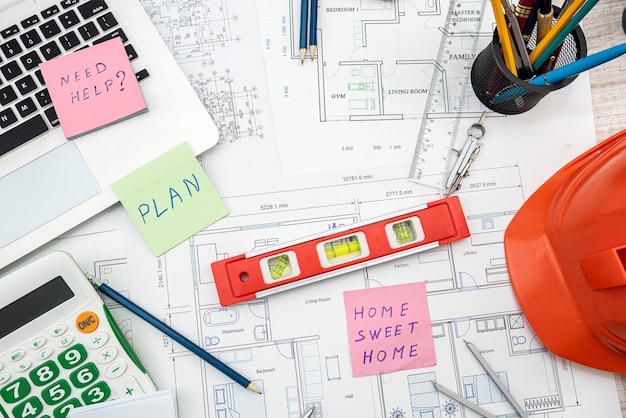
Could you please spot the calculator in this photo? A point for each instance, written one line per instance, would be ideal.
(60, 348)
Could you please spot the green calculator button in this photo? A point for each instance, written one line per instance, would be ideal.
(99, 392)
(73, 356)
(84, 375)
(63, 410)
(15, 390)
(31, 407)
(45, 373)
(56, 392)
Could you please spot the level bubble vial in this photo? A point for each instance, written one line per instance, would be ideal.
(279, 267)
(341, 250)
(404, 232)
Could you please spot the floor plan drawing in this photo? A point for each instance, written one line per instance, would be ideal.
(306, 148)
(217, 46)
(362, 98)
(293, 344)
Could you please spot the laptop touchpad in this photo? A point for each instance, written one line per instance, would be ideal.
(42, 190)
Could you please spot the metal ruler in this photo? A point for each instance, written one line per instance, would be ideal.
(449, 94)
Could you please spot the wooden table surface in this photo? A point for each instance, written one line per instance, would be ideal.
(603, 28)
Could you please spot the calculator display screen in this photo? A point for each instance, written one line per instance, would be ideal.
(34, 304)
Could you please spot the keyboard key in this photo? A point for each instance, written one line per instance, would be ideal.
(26, 107)
(44, 373)
(43, 98)
(38, 342)
(11, 48)
(10, 31)
(50, 50)
(116, 369)
(26, 84)
(128, 386)
(30, 38)
(50, 11)
(69, 40)
(142, 74)
(21, 133)
(69, 19)
(30, 21)
(7, 118)
(108, 21)
(30, 60)
(68, 3)
(92, 8)
(23, 365)
(49, 29)
(52, 117)
(57, 392)
(97, 393)
(17, 355)
(17, 390)
(30, 407)
(7, 95)
(62, 410)
(11, 70)
(40, 77)
(88, 31)
(111, 35)
(84, 375)
(130, 52)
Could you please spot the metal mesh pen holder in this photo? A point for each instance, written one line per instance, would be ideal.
(501, 91)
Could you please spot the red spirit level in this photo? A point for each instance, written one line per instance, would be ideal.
(296, 263)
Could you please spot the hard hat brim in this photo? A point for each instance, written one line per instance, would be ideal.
(541, 284)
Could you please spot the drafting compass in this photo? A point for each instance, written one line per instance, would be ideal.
(466, 155)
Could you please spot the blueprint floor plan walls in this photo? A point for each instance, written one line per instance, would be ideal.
(345, 125)
(294, 344)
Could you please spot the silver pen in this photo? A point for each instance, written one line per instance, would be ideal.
(309, 413)
(505, 391)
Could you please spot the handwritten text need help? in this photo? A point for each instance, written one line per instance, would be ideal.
(101, 85)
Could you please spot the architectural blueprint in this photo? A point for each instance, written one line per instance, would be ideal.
(309, 147)
(293, 344)
(359, 103)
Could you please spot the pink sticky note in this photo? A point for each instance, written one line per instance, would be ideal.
(93, 87)
(389, 329)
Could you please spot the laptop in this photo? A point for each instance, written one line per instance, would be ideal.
(49, 184)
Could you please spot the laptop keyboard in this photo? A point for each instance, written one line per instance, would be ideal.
(26, 110)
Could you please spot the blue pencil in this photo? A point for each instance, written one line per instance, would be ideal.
(304, 17)
(583, 64)
(313, 29)
(173, 334)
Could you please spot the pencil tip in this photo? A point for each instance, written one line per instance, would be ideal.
(302, 55)
(253, 388)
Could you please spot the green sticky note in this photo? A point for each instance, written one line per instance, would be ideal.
(170, 199)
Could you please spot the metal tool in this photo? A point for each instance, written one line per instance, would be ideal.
(494, 377)
(309, 413)
(447, 100)
(467, 155)
(496, 380)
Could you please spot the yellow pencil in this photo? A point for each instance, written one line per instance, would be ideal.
(556, 28)
(505, 37)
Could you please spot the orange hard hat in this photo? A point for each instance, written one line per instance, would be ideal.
(566, 254)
